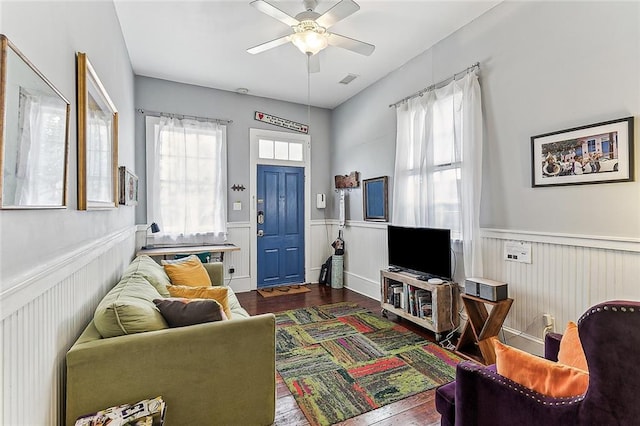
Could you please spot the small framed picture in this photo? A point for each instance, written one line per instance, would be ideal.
(128, 187)
(597, 153)
(375, 199)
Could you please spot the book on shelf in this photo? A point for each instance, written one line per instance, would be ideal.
(391, 293)
(424, 304)
(412, 299)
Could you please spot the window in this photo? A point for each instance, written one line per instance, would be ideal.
(444, 172)
(438, 176)
(279, 150)
(186, 179)
(432, 168)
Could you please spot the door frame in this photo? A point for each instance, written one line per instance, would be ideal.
(254, 136)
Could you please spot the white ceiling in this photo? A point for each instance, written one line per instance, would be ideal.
(204, 43)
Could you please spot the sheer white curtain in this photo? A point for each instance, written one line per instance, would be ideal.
(99, 139)
(40, 158)
(187, 181)
(438, 169)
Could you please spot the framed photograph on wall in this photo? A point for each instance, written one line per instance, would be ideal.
(597, 153)
(128, 187)
(97, 141)
(375, 199)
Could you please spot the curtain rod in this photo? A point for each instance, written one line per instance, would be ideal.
(435, 86)
(180, 116)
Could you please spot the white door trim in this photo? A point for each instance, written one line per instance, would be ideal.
(254, 136)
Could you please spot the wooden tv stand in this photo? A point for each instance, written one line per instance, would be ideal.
(415, 297)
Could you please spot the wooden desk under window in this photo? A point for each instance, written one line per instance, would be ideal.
(187, 249)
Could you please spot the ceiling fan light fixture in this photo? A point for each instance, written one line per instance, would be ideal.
(309, 37)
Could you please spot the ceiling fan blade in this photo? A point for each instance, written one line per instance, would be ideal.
(351, 44)
(338, 12)
(268, 45)
(314, 63)
(274, 12)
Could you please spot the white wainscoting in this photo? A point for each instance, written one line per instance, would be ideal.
(43, 312)
(365, 254)
(568, 274)
(239, 233)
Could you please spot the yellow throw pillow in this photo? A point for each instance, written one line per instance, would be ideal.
(539, 374)
(571, 352)
(219, 294)
(188, 271)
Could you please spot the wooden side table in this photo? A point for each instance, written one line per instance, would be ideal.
(475, 343)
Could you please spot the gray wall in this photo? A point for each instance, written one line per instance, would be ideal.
(545, 66)
(171, 97)
(49, 34)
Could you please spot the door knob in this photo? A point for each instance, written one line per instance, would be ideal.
(260, 233)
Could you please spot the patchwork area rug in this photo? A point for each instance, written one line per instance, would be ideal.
(341, 360)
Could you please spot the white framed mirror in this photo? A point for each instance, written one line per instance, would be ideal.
(34, 135)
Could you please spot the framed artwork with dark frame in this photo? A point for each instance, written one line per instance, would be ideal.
(97, 141)
(128, 187)
(375, 199)
(596, 153)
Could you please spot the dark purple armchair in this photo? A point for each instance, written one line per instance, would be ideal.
(610, 336)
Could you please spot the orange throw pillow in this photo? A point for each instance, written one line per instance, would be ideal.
(539, 374)
(571, 352)
(189, 271)
(217, 293)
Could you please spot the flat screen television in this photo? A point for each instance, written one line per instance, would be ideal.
(422, 251)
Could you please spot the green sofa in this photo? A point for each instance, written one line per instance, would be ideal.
(219, 373)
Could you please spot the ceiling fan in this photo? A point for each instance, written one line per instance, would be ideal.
(310, 33)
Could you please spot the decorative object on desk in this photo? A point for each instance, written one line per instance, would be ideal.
(283, 290)
(154, 230)
(375, 199)
(128, 187)
(597, 153)
(347, 181)
(97, 141)
(34, 161)
(205, 257)
(237, 187)
(341, 360)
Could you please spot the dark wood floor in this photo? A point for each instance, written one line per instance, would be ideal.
(416, 410)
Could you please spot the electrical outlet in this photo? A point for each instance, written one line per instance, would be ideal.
(232, 269)
(549, 320)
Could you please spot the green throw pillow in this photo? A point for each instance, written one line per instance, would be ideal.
(152, 271)
(128, 308)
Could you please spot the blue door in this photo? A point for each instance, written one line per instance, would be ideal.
(280, 225)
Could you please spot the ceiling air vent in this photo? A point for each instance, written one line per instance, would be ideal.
(348, 79)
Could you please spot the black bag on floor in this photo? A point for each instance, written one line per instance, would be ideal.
(325, 272)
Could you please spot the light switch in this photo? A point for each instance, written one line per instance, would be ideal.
(237, 205)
